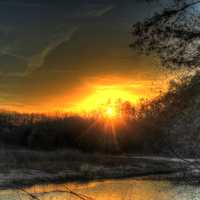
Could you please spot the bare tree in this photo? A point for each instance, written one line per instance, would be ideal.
(173, 34)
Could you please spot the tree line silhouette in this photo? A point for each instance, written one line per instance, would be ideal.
(144, 131)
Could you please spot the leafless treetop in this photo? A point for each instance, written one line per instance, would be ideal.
(173, 34)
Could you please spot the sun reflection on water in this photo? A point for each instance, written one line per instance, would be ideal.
(108, 190)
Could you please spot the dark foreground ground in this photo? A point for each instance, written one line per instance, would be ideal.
(20, 167)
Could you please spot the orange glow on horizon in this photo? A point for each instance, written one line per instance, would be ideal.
(105, 94)
(100, 96)
(104, 101)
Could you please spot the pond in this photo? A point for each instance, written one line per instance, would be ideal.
(129, 189)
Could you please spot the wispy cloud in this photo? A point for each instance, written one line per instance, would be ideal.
(102, 11)
(38, 60)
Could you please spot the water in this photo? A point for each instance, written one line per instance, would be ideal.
(109, 190)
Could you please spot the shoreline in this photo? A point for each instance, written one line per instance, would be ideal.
(39, 179)
(21, 168)
(18, 184)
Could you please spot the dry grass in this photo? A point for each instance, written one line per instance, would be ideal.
(27, 167)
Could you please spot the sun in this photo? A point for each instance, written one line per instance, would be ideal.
(105, 102)
(110, 112)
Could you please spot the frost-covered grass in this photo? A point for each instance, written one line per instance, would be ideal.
(27, 167)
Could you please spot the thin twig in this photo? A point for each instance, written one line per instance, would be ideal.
(30, 194)
(81, 196)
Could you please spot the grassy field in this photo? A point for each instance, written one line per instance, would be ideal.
(20, 167)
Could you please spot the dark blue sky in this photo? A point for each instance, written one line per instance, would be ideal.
(49, 48)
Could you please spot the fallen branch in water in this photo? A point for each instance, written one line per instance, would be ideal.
(81, 196)
(30, 194)
(68, 190)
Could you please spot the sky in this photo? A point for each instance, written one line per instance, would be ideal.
(55, 54)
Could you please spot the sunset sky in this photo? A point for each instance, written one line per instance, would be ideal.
(55, 54)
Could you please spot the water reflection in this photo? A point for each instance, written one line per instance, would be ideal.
(109, 190)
